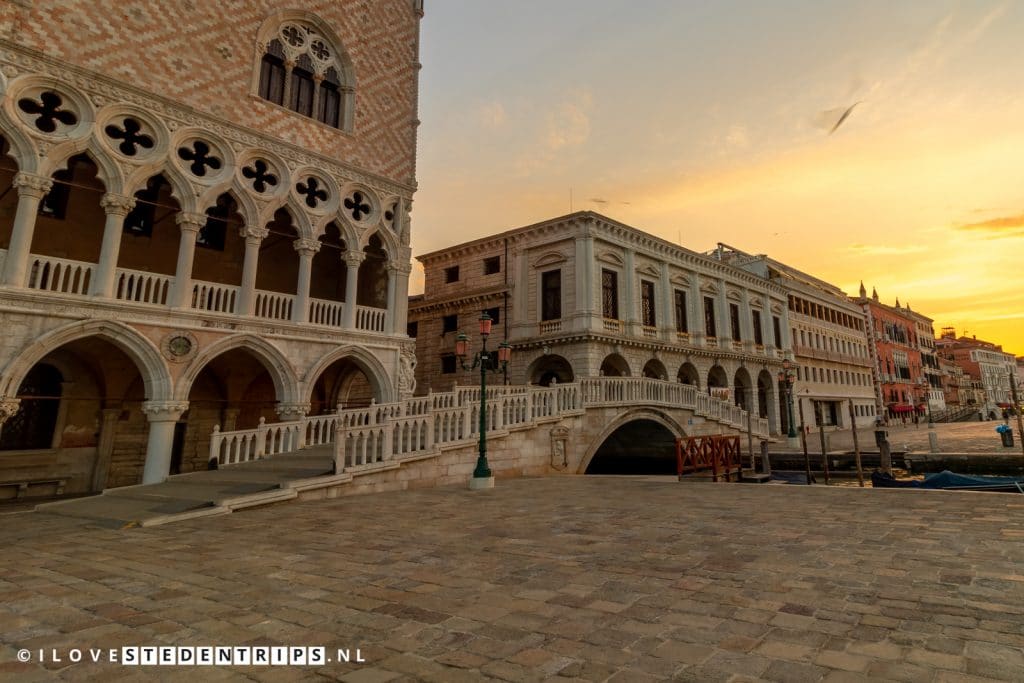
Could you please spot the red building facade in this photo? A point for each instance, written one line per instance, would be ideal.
(892, 338)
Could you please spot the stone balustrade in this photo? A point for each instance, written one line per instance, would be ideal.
(380, 435)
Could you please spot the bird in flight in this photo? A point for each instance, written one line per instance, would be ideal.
(843, 117)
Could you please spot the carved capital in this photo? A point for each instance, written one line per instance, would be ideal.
(164, 411)
(190, 222)
(8, 408)
(117, 204)
(290, 412)
(253, 234)
(306, 245)
(30, 185)
(353, 258)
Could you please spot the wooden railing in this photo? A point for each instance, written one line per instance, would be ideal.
(719, 453)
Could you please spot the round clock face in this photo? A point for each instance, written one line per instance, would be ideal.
(180, 345)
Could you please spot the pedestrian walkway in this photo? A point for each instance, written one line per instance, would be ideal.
(560, 579)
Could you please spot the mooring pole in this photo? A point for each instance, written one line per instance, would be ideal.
(819, 416)
(856, 446)
(803, 441)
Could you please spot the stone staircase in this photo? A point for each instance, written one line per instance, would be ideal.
(202, 494)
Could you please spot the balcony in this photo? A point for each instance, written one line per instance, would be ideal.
(612, 325)
(152, 290)
(550, 326)
(650, 332)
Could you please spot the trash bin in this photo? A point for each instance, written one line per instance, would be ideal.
(881, 436)
(1007, 437)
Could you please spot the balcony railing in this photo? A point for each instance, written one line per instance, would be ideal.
(64, 276)
(549, 326)
(612, 325)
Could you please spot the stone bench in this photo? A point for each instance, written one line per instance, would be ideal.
(22, 487)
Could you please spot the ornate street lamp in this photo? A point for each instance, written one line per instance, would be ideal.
(787, 377)
(482, 477)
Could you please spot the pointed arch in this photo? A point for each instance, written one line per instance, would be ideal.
(246, 205)
(286, 383)
(22, 150)
(156, 375)
(181, 189)
(387, 237)
(107, 170)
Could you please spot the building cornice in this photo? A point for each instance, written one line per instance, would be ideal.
(424, 305)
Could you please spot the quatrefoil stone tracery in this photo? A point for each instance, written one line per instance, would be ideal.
(294, 36)
(259, 173)
(131, 136)
(312, 191)
(358, 205)
(48, 110)
(201, 157)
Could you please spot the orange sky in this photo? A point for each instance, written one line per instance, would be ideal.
(716, 128)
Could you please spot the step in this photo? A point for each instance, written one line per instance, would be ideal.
(756, 477)
(121, 512)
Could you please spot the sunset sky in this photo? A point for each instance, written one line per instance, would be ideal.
(707, 122)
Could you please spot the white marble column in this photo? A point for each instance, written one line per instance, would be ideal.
(746, 321)
(189, 224)
(724, 321)
(247, 295)
(116, 207)
(697, 331)
(584, 267)
(352, 261)
(162, 415)
(667, 313)
(306, 248)
(31, 189)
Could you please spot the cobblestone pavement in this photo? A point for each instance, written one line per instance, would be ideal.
(561, 578)
(954, 437)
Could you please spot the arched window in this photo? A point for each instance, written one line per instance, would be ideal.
(304, 70)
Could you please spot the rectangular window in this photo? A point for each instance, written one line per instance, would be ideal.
(777, 331)
(647, 316)
(709, 317)
(494, 314)
(610, 294)
(412, 329)
(734, 321)
(682, 325)
(272, 79)
(451, 275)
(448, 365)
(492, 265)
(551, 295)
(302, 92)
(329, 105)
(755, 318)
(449, 323)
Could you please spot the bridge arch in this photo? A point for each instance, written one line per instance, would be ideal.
(645, 428)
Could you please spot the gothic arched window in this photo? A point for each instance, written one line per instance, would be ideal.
(305, 71)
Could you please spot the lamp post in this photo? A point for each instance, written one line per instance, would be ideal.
(925, 386)
(787, 377)
(482, 478)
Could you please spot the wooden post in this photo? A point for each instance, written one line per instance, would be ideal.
(819, 416)
(856, 446)
(679, 459)
(750, 434)
(803, 442)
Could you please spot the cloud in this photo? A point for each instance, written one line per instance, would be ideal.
(569, 124)
(1004, 226)
(887, 250)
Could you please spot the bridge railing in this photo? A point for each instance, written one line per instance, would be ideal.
(376, 435)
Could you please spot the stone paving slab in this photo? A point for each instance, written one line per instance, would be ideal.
(554, 579)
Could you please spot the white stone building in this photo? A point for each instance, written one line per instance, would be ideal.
(829, 344)
(583, 296)
(175, 256)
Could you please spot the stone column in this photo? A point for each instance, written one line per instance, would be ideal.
(785, 332)
(668, 322)
(401, 310)
(230, 419)
(247, 295)
(31, 189)
(105, 449)
(584, 267)
(352, 261)
(306, 248)
(116, 207)
(189, 224)
(162, 415)
(629, 310)
(724, 321)
(747, 322)
(697, 331)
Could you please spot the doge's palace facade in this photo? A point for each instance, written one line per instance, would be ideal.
(204, 220)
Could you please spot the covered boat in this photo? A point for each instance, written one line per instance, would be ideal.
(950, 481)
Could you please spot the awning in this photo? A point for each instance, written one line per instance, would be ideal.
(1005, 405)
(902, 409)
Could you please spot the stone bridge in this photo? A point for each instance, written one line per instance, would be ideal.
(571, 428)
